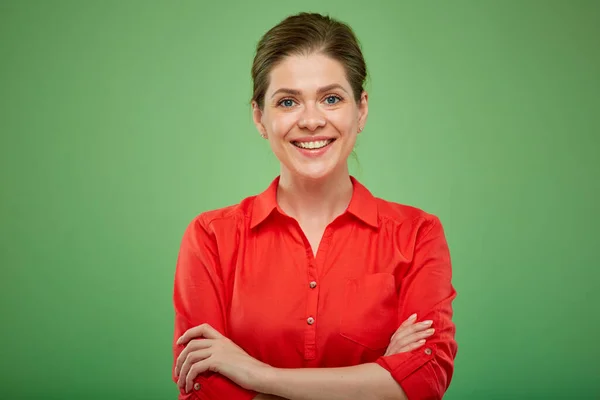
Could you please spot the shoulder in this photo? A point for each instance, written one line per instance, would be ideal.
(227, 218)
(412, 230)
(227, 224)
(217, 231)
(399, 213)
(408, 223)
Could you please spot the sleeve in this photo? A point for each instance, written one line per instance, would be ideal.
(426, 289)
(199, 297)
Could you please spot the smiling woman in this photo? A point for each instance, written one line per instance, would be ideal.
(313, 289)
(309, 104)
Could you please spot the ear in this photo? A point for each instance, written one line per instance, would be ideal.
(257, 115)
(363, 110)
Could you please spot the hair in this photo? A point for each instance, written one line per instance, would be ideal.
(307, 33)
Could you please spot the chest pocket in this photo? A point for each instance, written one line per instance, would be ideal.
(370, 313)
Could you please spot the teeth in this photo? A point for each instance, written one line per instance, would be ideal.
(313, 145)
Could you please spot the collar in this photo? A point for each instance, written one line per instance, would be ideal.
(363, 204)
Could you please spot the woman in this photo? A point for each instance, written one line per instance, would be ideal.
(313, 288)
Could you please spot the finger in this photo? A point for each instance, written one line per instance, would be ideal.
(405, 340)
(411, 346)
(192, 358)
(409, 320)
(193, 345)
(405, 349)
(407, 327)
(203, 330)
(194, 371)
(410, 329)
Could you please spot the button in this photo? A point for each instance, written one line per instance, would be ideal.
(310, 320)
(428, 351)
(196, 386)
(313, 284)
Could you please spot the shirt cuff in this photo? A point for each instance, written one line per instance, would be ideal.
(411, 372)
(216, 387)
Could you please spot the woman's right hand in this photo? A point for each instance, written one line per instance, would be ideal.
(409, 336)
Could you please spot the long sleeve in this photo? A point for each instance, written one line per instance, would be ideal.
(199, 297)
(426, 289)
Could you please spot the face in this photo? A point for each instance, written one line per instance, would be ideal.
(310, 116)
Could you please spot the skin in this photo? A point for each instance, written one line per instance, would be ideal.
(313, 190)
(312, 110)
(308, 97)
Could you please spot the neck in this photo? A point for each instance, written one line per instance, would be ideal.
(314, 201)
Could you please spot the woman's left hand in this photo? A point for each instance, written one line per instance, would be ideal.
(208, 350)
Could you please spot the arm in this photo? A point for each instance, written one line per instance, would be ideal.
(361, 382)
(427, 289)
(422, 373)
(199, 297)
(215, 352)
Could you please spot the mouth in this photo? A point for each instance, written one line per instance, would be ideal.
(314, 145)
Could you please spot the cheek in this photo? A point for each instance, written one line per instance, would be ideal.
(344, 121)
(283, 123)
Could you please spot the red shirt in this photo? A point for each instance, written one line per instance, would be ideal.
(249, 271)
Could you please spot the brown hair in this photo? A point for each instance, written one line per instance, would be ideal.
(306, 33)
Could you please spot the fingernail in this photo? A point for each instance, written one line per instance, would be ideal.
(421, 341)
(427, 323)
(412, 317)
(430, 331)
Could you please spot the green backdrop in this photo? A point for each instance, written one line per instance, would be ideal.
(122, 120)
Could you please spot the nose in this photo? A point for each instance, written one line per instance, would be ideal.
(311, 118)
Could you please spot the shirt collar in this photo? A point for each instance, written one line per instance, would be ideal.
(264, 204)
(363, 204)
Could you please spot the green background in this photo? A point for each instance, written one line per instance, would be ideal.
(122, 120)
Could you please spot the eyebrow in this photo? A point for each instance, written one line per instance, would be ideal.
(295, 92)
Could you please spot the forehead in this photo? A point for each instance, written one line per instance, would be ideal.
(307, 73)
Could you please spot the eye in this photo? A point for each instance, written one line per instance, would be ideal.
(332, 99)
(286, 103)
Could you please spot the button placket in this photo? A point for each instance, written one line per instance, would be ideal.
(314, 264)
(312, 293)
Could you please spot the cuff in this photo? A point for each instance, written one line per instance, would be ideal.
(412, 371)
(216, 387)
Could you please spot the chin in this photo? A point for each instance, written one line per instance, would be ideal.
(315, 173)
(313, 176)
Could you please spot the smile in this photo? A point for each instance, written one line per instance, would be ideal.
(315, 145)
